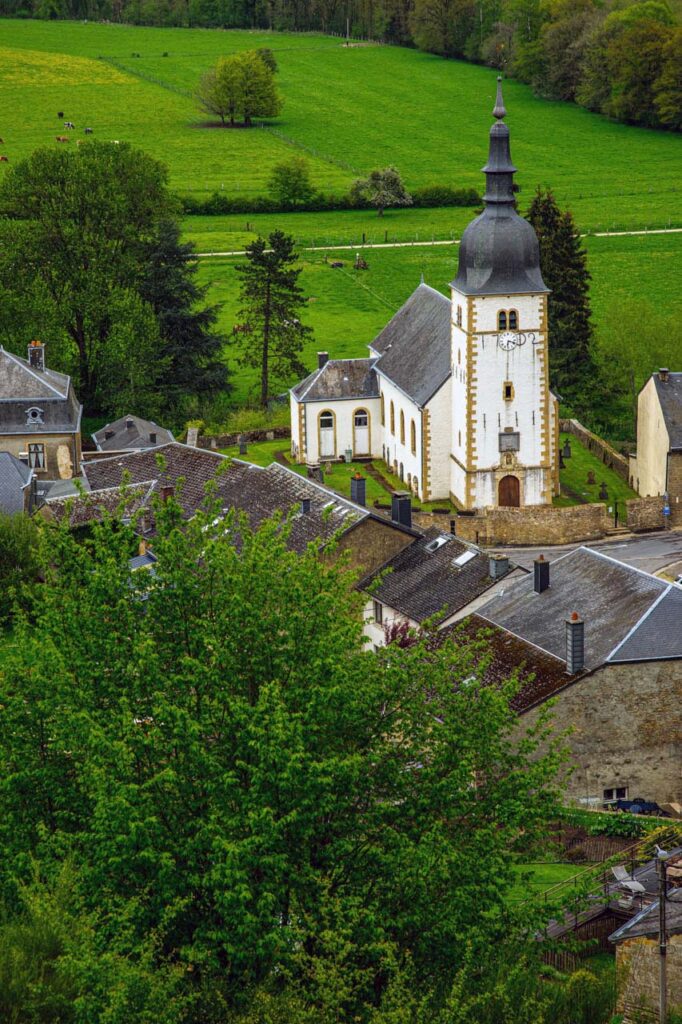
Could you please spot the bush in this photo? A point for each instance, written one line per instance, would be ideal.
(220, 203)
(18, 559)
(443, 195)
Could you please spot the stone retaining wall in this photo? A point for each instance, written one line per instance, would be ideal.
(213, 441)
(534, 525)
(600, 448)
(645, 514)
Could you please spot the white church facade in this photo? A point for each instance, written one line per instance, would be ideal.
(454, 395)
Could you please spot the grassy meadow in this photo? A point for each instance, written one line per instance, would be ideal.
(347, 308)
(349, 109)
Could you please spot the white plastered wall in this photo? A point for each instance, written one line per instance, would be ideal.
(653, 443)
(375, 632)
(343, 411)
(395, 450)
(440, 445)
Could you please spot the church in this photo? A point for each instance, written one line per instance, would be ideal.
(454, 395)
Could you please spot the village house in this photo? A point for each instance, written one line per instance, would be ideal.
(130, 433)
(612, 634)
(16, 480)
(438, 579)
(454, 395)
(656, 469)
(40, 416)
(321, 515)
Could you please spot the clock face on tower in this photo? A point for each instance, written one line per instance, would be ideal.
(507, 340)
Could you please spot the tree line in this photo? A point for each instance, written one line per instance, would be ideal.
(617, 58)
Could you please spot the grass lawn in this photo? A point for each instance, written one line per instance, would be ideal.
(574, 476)
(533, 879)
(348, 109)
(347, 308)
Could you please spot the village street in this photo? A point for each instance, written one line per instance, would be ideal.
(650, 552)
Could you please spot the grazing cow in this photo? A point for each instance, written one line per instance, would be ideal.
(62, 138)
(336, 264)
(4, 159)
(116, 142)
(88, 131)
(2, 142)
(69, 124)
(60, 115)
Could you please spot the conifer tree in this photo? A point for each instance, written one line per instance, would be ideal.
(269, 332)
(189, 342)
(563, 262)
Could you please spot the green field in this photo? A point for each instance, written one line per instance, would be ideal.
(347, 308)
(349, 109)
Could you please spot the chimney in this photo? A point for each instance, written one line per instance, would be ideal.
(540, 575)
(322, 359)
(664, 374)
(358, 489)
(108, 434)
(36, 355)
(129, 424)
(575, 644)
(498, 566)
(305, 506)
(401, 508)
(167, 492)
(152, 436)
(142, 547)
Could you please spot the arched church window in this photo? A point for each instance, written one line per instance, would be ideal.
(383, 410)
(413, 438)
(392, 418)
(513, 320)
(402, 427)
(502, 320)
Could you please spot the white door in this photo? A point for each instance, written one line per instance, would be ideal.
(327, 442)
(361, 432)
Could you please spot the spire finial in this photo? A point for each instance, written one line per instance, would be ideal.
(499, 109)
(422, 277)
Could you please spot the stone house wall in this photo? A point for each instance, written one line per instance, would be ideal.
(637, 971)
(645, 514)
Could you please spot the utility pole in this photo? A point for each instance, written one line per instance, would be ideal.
(661, 864)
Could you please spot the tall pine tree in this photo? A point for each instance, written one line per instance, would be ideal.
(563, 261)
(190, 344)
(269, 333)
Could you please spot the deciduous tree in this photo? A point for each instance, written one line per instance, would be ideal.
(270, 334)
(290, 183)
(240, 87)
(383, 188)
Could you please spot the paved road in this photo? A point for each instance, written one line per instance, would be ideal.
(447, 241)
(651, 551)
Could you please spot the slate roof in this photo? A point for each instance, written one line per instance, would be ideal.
(131, 432)
(258, 492)
(610, 596)
(94, 505)
(670, 397)
(414, 346)
(542, 674)
(657, 634)
(15, 476)
(420, 584)
(339, 379)
(23, 388)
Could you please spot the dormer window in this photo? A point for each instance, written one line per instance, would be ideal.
(34, 416)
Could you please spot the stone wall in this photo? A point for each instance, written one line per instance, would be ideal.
(213, 441)
(600, 448)
(645, 514)
(533, 525)
(675, 487)
(637, 970)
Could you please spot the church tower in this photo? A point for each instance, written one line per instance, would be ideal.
(504, 417)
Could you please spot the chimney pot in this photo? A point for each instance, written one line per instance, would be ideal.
(167, 491)
(142, 547)
(401, 508)
(322, 359)
(358, 489)
(152, 436)
(129, 424)
(575, 644)
(36, 355)
(540, 575)
(305, 506)
(108, 434)
(664, 374)
(498, 566)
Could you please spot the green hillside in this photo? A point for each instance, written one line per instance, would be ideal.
(347, 308)
(349, 108)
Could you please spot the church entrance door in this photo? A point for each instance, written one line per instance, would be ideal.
(509, 492)
(361, 432)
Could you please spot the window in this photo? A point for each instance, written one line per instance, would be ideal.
(402, 427)
(513, 320)
(409, 479)
(413, 438)
(378, 612)
(510, 441)
(36, 456)
(616, 793)
(502, 320)
(508, 391)
(34, 416)
(383, 411)
(459, 316)
(361, 418)
(392, 419)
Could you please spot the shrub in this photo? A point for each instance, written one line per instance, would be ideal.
(18, 559)
(219, 203)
